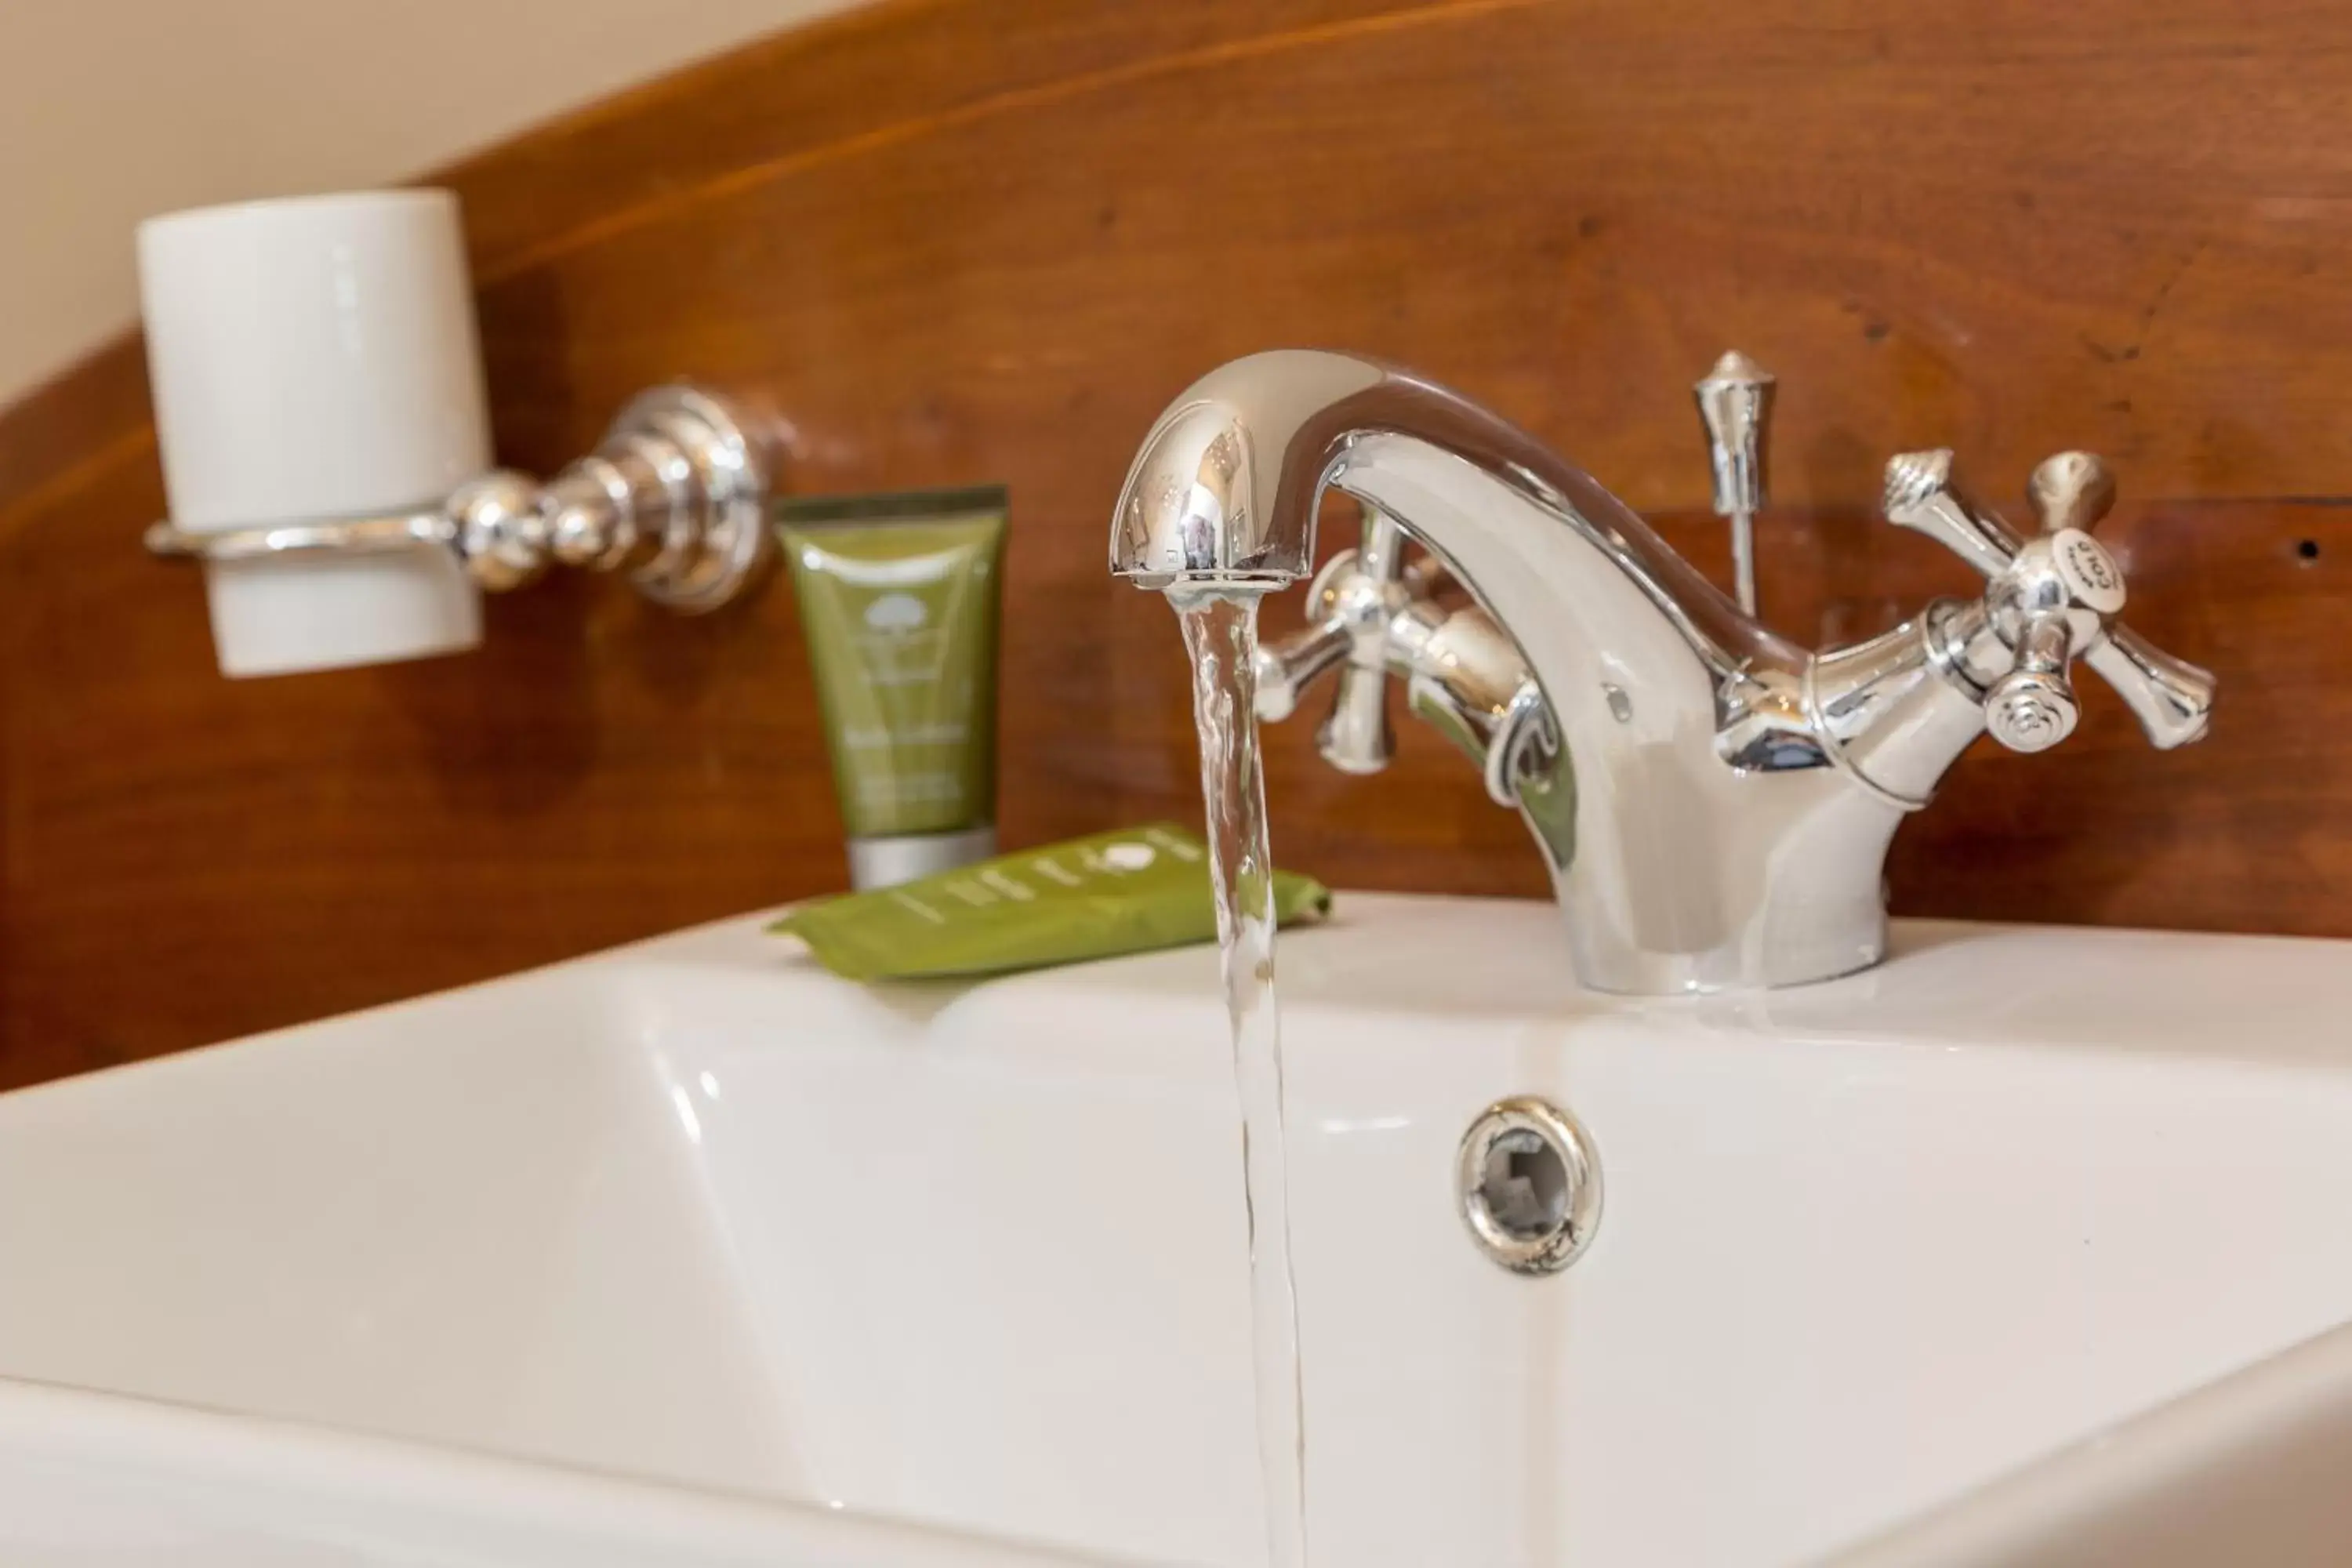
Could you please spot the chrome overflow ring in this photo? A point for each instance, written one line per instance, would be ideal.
(1528, 1184)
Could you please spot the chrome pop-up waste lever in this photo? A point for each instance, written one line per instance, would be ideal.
(1735, 405)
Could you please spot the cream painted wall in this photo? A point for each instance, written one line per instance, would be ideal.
(111, 110)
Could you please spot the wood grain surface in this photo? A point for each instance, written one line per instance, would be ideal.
(949, 241)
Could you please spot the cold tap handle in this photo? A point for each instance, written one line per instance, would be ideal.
(2051, 599)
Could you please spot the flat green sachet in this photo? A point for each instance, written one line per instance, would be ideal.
(1129, 891)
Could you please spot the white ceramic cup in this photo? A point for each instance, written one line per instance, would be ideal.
(316, 357)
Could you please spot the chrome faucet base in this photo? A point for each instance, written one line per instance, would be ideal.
(1714, 804)
(673, 498)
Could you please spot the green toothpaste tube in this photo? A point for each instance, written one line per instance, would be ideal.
(898, 601)
(1128, 891)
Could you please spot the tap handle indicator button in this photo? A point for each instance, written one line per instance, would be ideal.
(2091, 577)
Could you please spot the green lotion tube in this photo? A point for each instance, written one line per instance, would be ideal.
(899, 599)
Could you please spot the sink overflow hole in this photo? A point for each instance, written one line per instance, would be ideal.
(1528, 1185)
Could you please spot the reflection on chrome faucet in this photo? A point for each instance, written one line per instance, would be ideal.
(1714, 802)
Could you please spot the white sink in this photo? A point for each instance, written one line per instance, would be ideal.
(689, 1253)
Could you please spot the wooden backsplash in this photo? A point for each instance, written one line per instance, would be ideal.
(963, 240)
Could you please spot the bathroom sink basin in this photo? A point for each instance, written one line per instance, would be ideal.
(688, 1253)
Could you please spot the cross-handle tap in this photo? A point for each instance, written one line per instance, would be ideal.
(2052, 598)
(1373, 615)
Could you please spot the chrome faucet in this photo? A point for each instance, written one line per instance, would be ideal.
(1715, 803)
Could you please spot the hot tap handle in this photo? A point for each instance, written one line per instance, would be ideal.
(1356, 598)
(2051, 598)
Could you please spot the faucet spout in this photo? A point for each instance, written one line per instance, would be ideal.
(1221, 491)
(1226, 486)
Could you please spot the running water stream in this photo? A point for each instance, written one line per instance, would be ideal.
(1221, 638)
